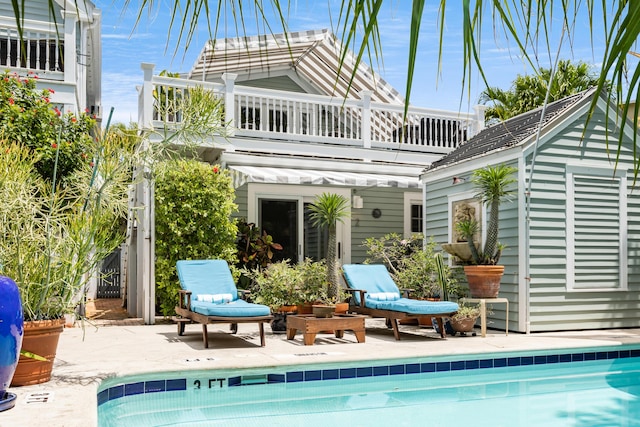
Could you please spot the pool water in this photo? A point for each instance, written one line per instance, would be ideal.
(583, 387)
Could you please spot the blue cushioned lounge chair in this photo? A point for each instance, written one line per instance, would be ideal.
(209, 295)
(374, 293)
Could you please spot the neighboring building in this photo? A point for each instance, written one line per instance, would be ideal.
(62, 49)
(300, 130)
(572, 233)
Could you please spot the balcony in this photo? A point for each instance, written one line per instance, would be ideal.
(39, 51)
(299, 118)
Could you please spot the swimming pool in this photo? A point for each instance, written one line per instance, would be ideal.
(577, 387)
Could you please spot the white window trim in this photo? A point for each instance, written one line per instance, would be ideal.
(572, 170)
(411, 198)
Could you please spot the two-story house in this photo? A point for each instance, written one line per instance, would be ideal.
(62, 47)
(302, 128)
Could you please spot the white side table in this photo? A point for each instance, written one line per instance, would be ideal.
(483, 311)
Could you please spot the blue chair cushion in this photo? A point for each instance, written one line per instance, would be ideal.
(212, 277)
(414, 306)
(374, 278)
(209, 276)
(237, 308)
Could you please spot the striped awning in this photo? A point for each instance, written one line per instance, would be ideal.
(269, 175)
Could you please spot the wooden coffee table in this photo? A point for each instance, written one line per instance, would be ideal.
(311, 325)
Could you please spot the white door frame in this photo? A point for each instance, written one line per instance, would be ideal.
(301, 193)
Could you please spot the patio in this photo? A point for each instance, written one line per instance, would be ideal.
(125, 346)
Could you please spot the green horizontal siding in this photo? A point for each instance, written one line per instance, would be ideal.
(552, 307)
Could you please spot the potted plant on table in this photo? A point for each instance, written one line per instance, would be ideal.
(482, 270)
(327, 210)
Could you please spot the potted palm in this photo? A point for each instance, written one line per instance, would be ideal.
(482, 270)
(326, 210)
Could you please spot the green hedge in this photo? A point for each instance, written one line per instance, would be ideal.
(193, 203)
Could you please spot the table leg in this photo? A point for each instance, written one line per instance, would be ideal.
(339, 333)
(359, 335)
(291, 333)
(309, 338)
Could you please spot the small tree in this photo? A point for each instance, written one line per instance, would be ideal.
(326, 210)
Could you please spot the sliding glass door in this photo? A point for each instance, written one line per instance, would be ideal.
(287, 219)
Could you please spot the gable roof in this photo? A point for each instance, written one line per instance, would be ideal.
(511, 132)
(314, 55)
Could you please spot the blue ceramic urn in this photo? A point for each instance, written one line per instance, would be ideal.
(11, 331)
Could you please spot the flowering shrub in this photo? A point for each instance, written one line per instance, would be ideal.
(193, 208)
(28, 118)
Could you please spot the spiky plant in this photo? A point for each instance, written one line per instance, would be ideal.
(491, 184)
(326, 210)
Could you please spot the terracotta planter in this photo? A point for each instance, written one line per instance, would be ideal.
(306, 308)
(484, 280)
(463, 325)
(342, 307)
(288, 309)
(41, 338)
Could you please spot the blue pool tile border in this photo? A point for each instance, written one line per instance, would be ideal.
(296, 376)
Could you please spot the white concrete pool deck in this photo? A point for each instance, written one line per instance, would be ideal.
(87, 356)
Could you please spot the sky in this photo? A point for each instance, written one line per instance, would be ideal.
(124, 48)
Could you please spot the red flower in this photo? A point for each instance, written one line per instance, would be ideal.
(73, 119)
(11, 101)
(51, 90)
(215, 169)
(55, 110)
(54, 145)
(91, 164)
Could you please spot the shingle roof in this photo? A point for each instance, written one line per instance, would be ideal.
(313, 54)
(509, 133)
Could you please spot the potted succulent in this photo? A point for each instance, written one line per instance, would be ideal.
(327, 210)
(465, 319)
(482, 270)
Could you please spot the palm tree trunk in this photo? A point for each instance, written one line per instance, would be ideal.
(332, 265)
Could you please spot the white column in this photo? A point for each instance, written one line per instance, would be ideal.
(70, 58)
(479, 110)
(366, 118)
(145, 111)
(229, 100)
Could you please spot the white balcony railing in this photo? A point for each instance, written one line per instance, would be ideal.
(37, 51)
(305, 117)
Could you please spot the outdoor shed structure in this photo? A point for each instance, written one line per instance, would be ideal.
(572, 233)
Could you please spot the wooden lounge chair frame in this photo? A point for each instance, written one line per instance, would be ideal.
(188, 316)
(392, 316)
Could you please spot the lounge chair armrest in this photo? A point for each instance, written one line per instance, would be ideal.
(184, 298)
(362, 292)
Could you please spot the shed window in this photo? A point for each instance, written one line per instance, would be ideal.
(596, 231)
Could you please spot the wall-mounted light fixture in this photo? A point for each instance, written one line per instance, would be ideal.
(357, 202)
(458, 180)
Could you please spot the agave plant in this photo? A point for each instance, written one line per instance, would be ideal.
(491, 184)
(326, 210)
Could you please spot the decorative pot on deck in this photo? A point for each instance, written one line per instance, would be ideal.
(11, 332)
(41, 338)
